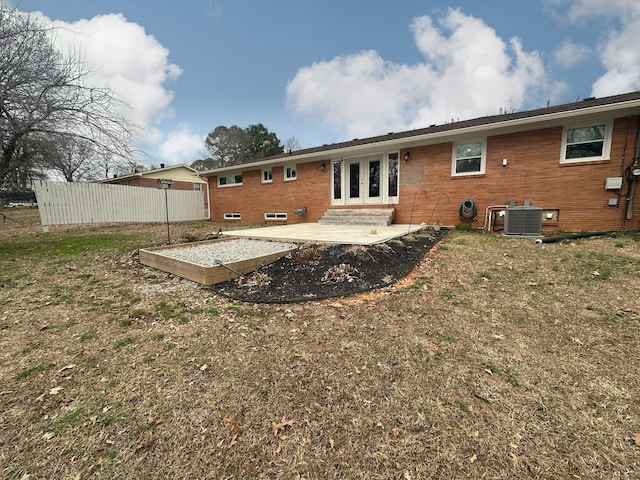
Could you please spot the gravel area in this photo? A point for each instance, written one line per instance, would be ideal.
(226, 251)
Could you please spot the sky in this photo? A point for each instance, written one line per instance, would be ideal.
(324, 71)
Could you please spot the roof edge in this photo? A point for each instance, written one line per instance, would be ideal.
(587, 106)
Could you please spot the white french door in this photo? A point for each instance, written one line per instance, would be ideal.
(365, 180)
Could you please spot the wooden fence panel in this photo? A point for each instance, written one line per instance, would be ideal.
(63, 203)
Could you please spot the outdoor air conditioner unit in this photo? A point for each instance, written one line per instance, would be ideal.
(523, 221)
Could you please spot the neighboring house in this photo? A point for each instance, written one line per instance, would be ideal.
(576, 164)
(183, 177)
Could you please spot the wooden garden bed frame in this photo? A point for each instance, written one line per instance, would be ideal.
(206, 275)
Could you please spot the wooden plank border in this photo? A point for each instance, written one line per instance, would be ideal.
(205, 275)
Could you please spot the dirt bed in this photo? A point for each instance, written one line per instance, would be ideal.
(320, 271)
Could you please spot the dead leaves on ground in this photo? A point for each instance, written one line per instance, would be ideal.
(278, 428)
(231, 419)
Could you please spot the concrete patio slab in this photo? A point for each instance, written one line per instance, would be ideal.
(314, 232)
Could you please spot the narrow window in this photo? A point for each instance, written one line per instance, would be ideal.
(337, 179)
(354, 183)
(267, 175)
(393, 175)
(275, 216)
(374, 178)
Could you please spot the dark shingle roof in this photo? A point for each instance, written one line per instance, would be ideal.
(475, 122)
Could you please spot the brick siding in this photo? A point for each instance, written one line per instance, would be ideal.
(428, 192)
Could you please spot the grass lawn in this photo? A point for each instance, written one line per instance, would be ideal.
(500, 358)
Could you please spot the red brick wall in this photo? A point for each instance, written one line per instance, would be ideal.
(429, 193)
(252, 199)
(533, 172)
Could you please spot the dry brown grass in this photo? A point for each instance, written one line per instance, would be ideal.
(501, 359)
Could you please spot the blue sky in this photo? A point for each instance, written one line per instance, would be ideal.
(327, 71)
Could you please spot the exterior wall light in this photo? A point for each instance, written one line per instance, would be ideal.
(406, 156)
(323, 166)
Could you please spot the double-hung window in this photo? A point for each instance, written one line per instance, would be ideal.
(469, 158)
(586, 143)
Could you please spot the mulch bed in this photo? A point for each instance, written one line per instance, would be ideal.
(320, 271)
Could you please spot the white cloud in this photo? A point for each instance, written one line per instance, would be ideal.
(122, 56)
(578, 9)
(182, 146)
(570, 54)
(468, 71)
(621, 59)
(619, 23)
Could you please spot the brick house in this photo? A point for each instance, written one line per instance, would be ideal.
(576, 165)
(183, 177)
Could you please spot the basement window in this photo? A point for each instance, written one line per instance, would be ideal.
(230, 180)
(275, 216)
(232, 216)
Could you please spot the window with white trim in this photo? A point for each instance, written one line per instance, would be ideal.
(267, 175)
(290, 172)
(392, 180)
(469, 158)
(197, 187)
(232, 216)
(585, 143)
(275, 215)
(230, 180)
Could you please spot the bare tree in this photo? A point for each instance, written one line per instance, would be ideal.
(110, 165)
(47, 102)
(74, 160)
(291, 144)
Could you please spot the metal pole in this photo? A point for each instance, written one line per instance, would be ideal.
(166, 206)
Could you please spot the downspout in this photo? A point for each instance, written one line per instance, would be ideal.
(208, 199)
(632, 178)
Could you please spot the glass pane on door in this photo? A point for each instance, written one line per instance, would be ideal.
(354, 180)
(337, 180)
(392, 181)
(374, 178)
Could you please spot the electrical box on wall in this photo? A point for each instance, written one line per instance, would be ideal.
(550, 216)
(613, 183)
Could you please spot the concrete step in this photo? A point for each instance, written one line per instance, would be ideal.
(358, 216)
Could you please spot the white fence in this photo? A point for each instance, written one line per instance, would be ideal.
(63, 203)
